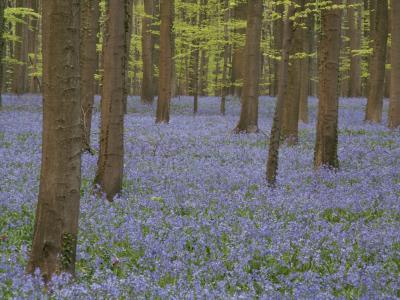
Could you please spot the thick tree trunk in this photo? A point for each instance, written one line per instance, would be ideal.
(240, 14)
(164, 98)
(354, 17)
(90, 15)
(56, 223)
(394, 106)
(290, 121)
(147, 53)
(110, 163)
(377, 68)
(328, 90)
(274, 141)
(2, 47)
(251, 70)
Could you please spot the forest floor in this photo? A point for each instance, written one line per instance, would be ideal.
(196, 220)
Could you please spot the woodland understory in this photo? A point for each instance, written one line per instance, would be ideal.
(196, 220)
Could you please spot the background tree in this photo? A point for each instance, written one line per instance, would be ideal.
(248, 121)
(275, 137)
(290, 119)
(90, 15)
(147, 53)
(56, 222)
(164, 98)
(377, 63)
(110, 163)
(240, 14)
(394, 106)
(328, 87)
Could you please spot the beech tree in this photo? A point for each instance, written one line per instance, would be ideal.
(248, 121)
(56, 221)
(394, 105)
(377, 63)
(328, 87)
(164, 98)
(90, 15)
(110, 163)
(240, 14)
(147, 53)
(274, 141)
(291, 109)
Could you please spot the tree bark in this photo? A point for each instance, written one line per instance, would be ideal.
(56, 222)
(240, 14)
(20, 76)
(308, 33)
(274, 141)
(110, 163)
(278, 35)
(227, 52)
(147, 53)
(290, 121)
(90, 14)
(251, 69)
(377, 68)
(328, 89)
(354, 17)
(164, 98)
(394, 105)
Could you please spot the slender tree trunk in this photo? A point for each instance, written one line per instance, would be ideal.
(90, 15)
(56, 223)
(147, 53)
(274, 142)
(2, 48)
(128, 29)
(290, 121)
(33, 35)
(164, 98)
(278, 35)
(377, 69)
(354, 17)
(328, 90)
(394, 105)
(110, 163)
(225, 87)
(308, 34)
(240, 13)
(20, 77)
(251, 70)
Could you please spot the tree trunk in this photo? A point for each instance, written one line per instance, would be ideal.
(251, 69)
(33, 46)
(90, 15)
(110, 163)
(278, 33)
(354, 17)
(225, 87)
(56, 223)
(2, 48)
(240, 13)
(147, 53)
(164, 98)
(274, 141)
(20, 77)
(394, 105)
(290, 121)
(377, 69)
(308, 34)
(328, 89)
